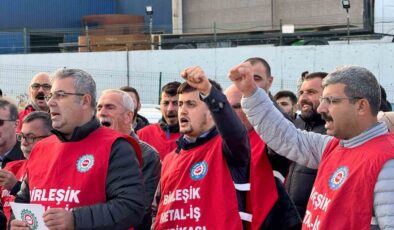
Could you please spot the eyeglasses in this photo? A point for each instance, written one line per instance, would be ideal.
(334, 100)
(29, 139)
(37, 86)
(2, 122)
(60, 94)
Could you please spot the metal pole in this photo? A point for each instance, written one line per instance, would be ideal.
(215, 35)
(128, 66)
(150, 24)
(150, 31)
(25, 40)
(280, 31)
(87, 38)
(160, 76)
(348, 29)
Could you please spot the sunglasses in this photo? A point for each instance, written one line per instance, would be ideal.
(2, 122)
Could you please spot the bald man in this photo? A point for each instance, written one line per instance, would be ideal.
(39, 87)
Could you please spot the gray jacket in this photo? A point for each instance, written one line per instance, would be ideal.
(306, 148)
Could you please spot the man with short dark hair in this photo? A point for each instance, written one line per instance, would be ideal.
(139, 121)
(287, 101)
(99, 167)
(10, 149)
(39, 87)
(208, 161)
(263, 79)
(162, 135)
(35, 126)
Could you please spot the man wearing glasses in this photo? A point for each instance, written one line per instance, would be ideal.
(39, 87)
(36, 126)
(90, 176)
(10, 149)
(353, 188)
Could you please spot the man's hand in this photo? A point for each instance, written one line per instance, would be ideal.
(7, 179)
(58, 218)
(242, 77)
(196, 78)
(19, 225)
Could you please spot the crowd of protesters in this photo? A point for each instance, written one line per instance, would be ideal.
(319, 158)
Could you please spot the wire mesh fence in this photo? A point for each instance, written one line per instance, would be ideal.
(15, 81)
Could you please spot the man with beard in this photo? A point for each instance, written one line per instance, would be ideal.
(96, 167)
(115, 109)
(208, 161)
(162, 135)
(10, 149)
(35, 126)
(300, 179)
(353, 188)
(39, 87)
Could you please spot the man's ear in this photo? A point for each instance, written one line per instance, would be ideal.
(363, 107)
(86, 100)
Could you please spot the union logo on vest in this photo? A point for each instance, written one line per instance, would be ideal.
(198, 170)
(29, 218)
(85, 163)
(338, 177)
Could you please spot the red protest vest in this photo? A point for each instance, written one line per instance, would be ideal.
(23, 114)
(197, 191)
(18, 168)
(72, 174)
(263, 193)
(156, 137)
(342, 196)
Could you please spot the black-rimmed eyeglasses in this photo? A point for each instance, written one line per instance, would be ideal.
(29, 139)
(334, 100)
(37, 86)
(60, 94)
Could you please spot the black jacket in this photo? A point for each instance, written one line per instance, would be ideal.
(300, 179)
(151, 169)
(141, 122)
(124, 188)
(15, 154)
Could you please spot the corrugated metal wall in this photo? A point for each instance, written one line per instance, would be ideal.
(16, 14)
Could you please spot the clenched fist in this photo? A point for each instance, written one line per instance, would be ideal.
(196, 78)
(242, 77)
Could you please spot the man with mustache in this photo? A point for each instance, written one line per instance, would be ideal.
(162, 135)
(300, 179)
(90, 177)
(39, 87)
(213, 153)
(353, 188)
(115, 109)
(35, 126)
